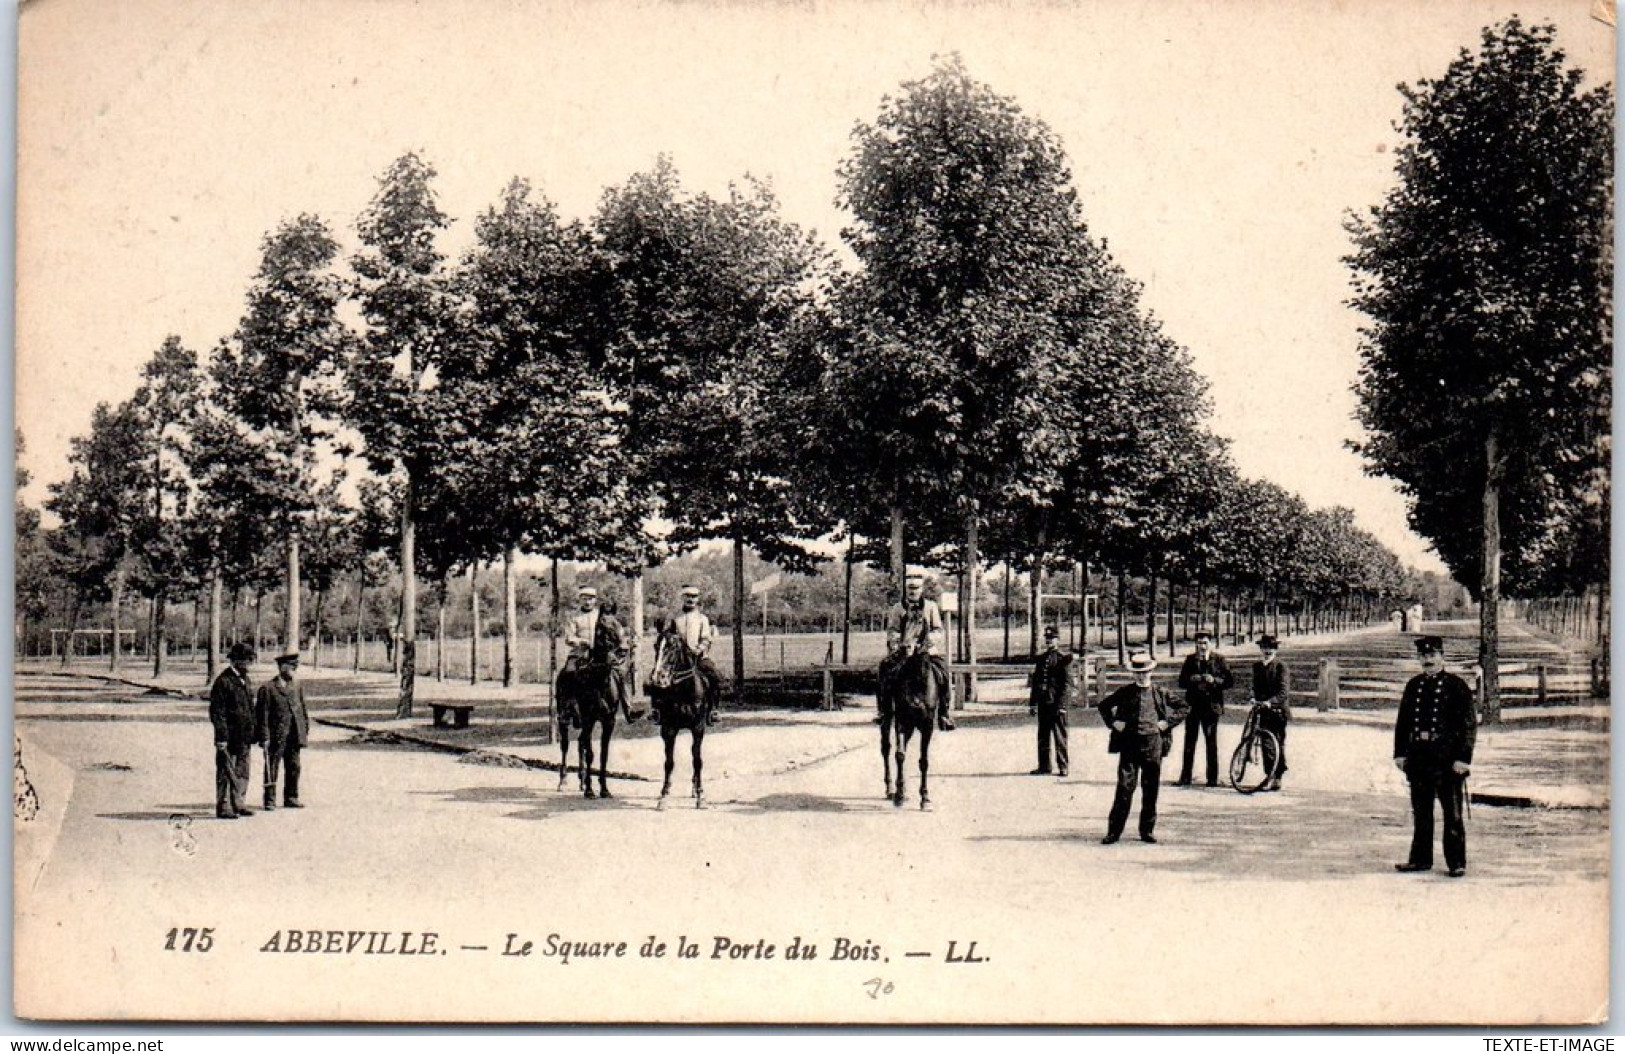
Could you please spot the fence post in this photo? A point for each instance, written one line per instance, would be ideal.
(829, 689)
(1540, 684)
(1328, 684)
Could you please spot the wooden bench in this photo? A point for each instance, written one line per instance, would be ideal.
(459, 714)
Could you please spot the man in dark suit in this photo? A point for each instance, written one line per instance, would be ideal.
(1272, 691)
(231, 712)
(1205, 676)
(1140, 716)
(1049, 687)
(282, 727)
(1433, 747)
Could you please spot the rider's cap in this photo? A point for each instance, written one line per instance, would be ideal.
(289, 659)
(1142, 662)
(1427, 644)
(691, 591)
(587, 591)
(1268, 642)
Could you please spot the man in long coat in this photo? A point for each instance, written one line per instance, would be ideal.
(1141, 716)
(1272, 693)
(1433, 747)
(231, 712)
(282, 727)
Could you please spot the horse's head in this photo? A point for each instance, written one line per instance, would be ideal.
(672, 657)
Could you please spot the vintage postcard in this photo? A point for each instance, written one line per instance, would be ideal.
(934, 513)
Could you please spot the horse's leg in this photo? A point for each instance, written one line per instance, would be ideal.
(697, 735)
(885, 748)
(585, 735)
(668, 734)
(904, 734)
(925, 761)
(564, 749)
(603, 756)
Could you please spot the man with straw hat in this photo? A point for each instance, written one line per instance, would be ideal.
(1141, 716)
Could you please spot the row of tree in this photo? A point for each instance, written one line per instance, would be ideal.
(983, 388)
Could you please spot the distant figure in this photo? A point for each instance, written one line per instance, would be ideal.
(1433, 747)
(282, 727)
(231, 711)
(1272, 693)
(1049, 686)
(1140, 716)
(1205, 677)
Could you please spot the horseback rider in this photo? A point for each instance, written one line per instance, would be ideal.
(694, 627)
(597, 642)
(915, 626)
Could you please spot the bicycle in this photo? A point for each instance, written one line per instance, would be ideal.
(1249, 772)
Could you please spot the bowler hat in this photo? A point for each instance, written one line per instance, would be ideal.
(1050, 633)
(1142, 662)
(1427, 644)
(242, 651)
(1268, 642)
(1203, 634)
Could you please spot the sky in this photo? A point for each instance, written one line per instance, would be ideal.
(1216, 146)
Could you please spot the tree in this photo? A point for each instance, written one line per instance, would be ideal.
(279, 373)
(963, 221)
(1486, 272)
(166, 403)
(409, 307)
(32, 585)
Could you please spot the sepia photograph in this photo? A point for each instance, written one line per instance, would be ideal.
(828, 512)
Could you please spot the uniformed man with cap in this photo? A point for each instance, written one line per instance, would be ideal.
(915, 625)
(1272, 694)
(694, 626)
(282, 727)
(596, 640)
(231, 712)
(1433, 747)
(1141, 716)
(1049, 687)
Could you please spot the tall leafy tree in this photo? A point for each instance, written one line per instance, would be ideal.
(1485, 272)
(279, 373)
(409, 306)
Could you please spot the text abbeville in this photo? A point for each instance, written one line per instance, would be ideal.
(353, 942)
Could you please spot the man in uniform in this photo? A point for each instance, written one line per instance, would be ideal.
(1205, 676)
(597, 641)
(1433, 747)
(231, 712)
(915, 625)
(1050, 685)
(694, 626)
(1272, 690)
(1141, 716)
(282, 727)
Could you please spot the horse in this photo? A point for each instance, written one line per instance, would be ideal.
(584, 694)
(679, 692)
(908, 702)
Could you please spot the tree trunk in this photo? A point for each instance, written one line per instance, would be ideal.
(1035, 602)
(316, 632)
(973, 572)
(1006, 611)
(1151, 613)
(1490, 591)
(846, 610)
(634, 683)
(474, 622)
(290, 615)
(117, 602)
(1170, 618)
(407, 652)
(739, 615)
(217, 589)
(259, 620)
(360, 616)
(553, 630)
(440, 629)
(510, 619)
(899, 569)
(73, 624)
(158, 631)
(1122, 619)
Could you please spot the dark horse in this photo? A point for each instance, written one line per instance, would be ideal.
(908, 703)
(584, 695)
(679, 690)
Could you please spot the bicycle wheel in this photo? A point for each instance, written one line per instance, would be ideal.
(1248, 772)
